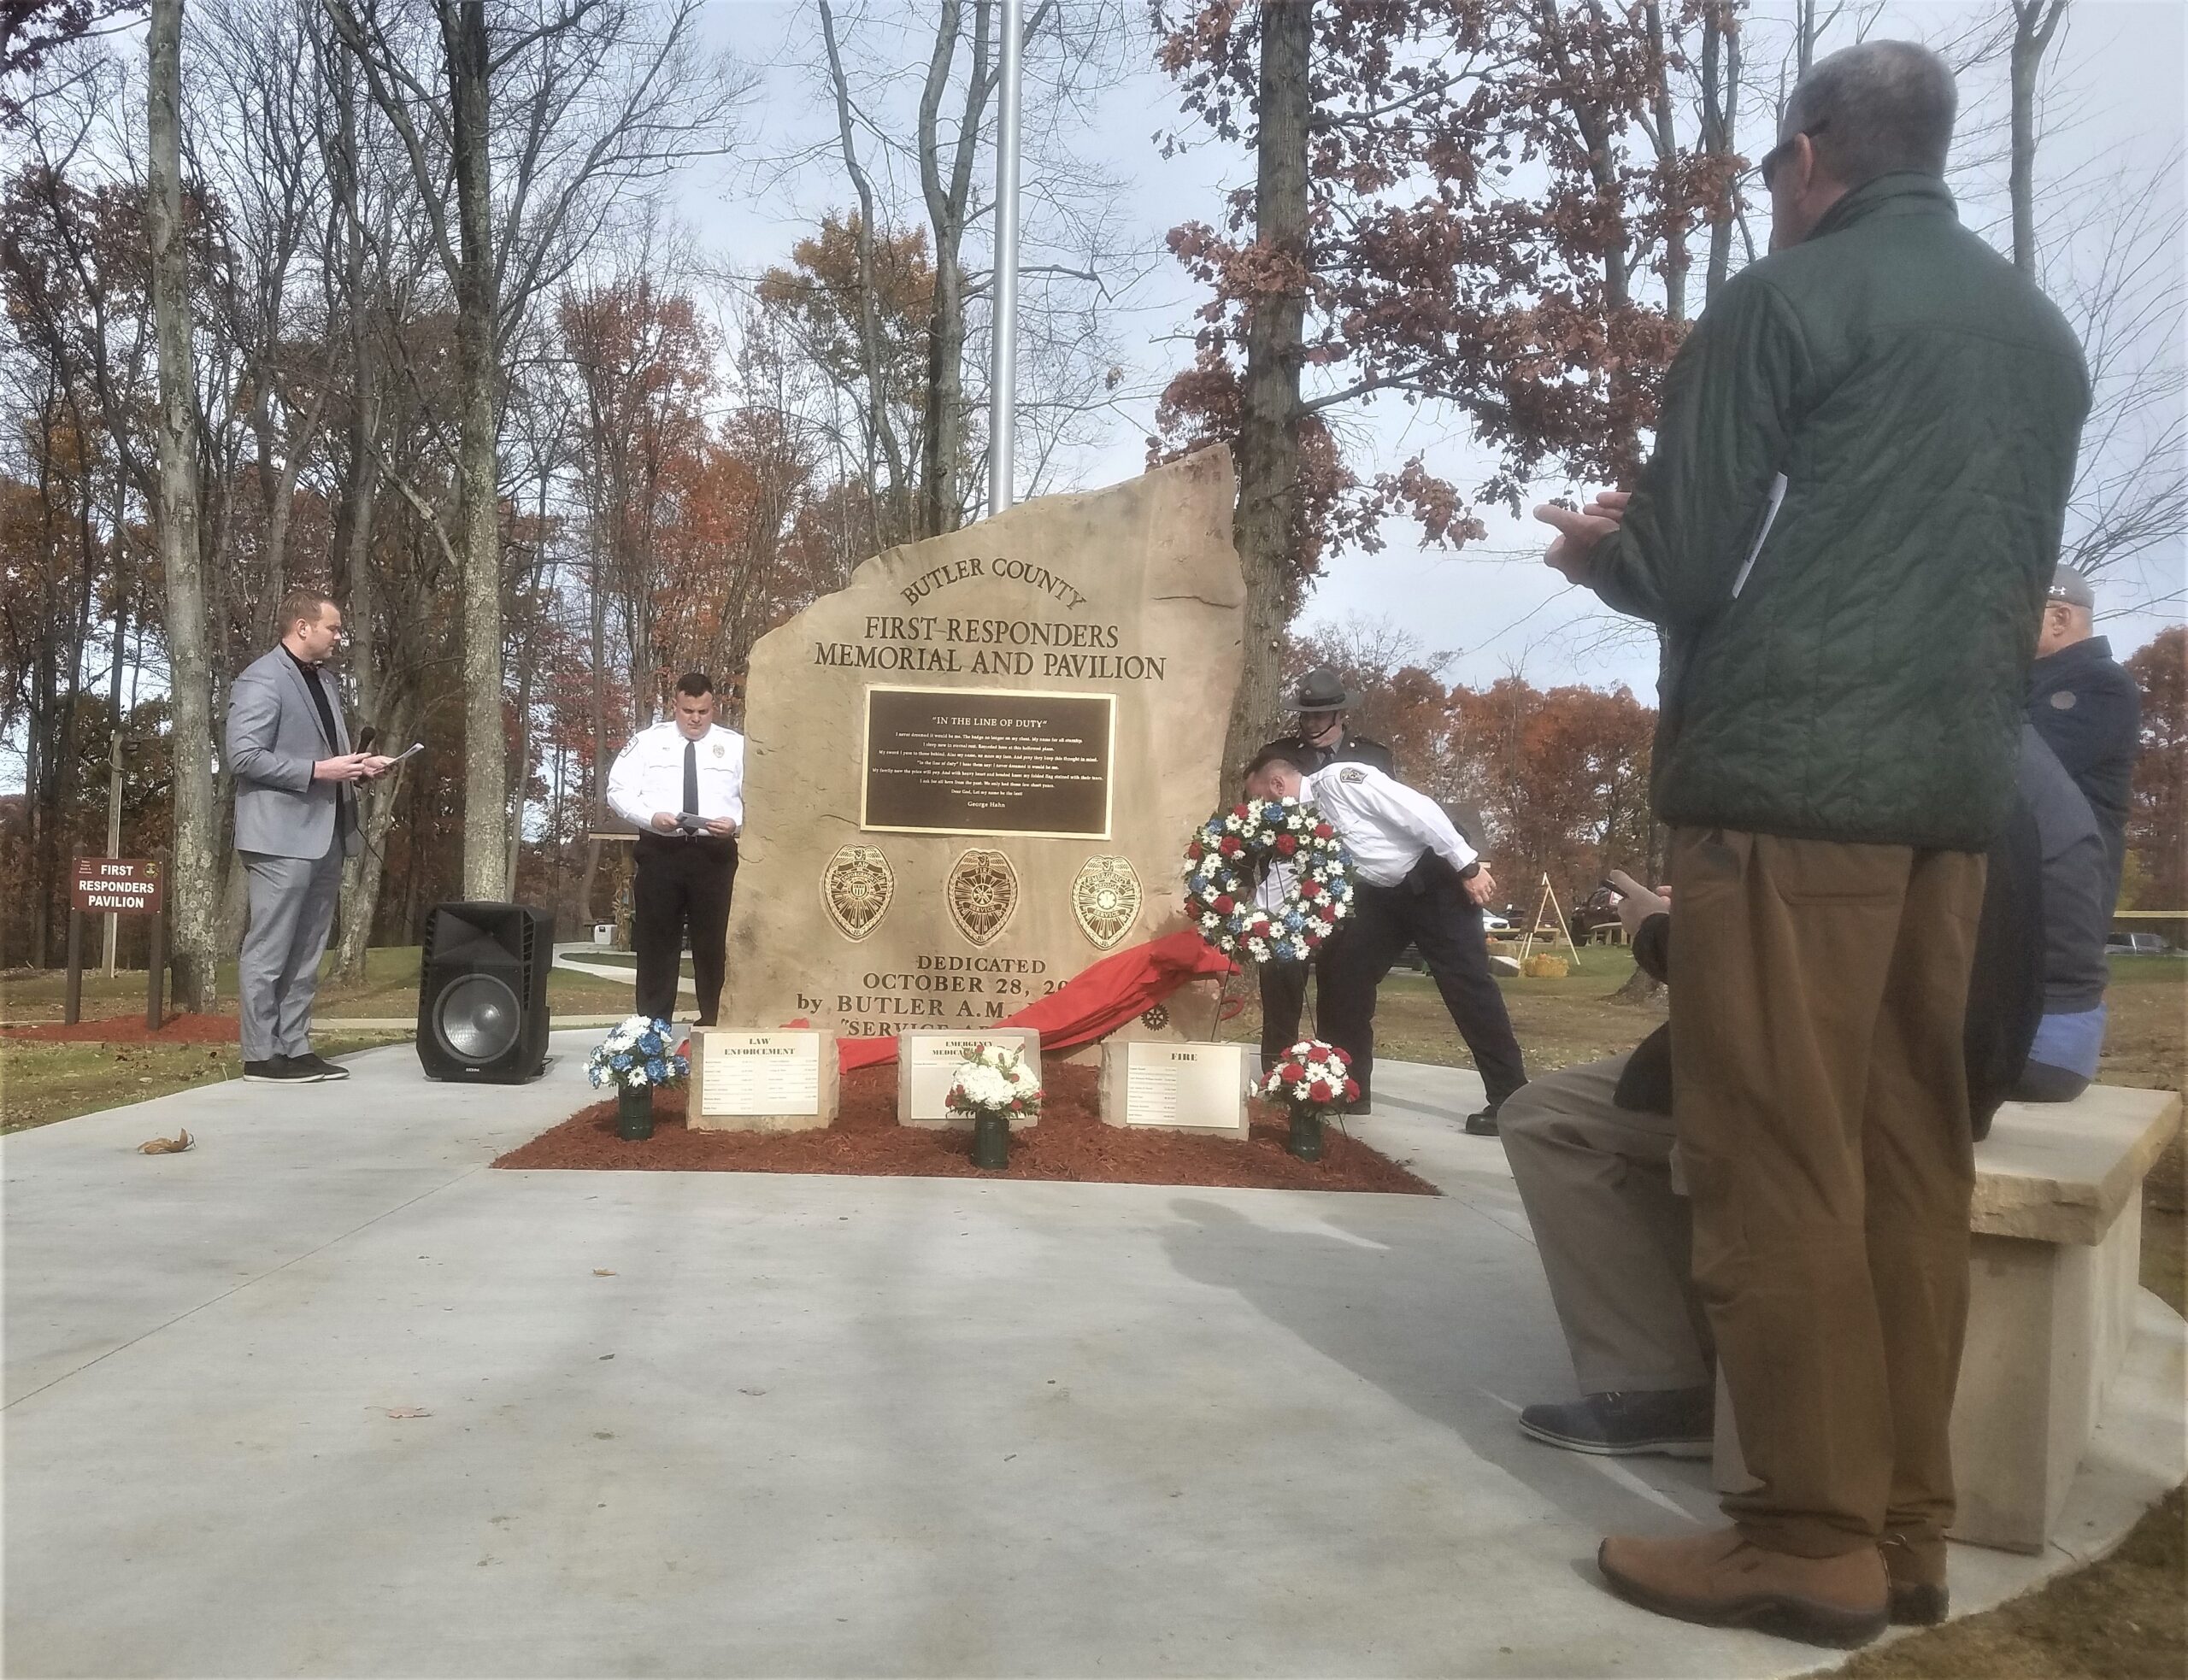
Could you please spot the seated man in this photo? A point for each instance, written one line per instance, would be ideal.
(1592, 1153)
(1415, 881)
(2076, 910)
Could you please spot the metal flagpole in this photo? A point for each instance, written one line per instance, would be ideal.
(1003, 393)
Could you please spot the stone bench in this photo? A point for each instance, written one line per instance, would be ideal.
(2057, 1222)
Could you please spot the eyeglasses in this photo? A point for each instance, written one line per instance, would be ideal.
(1783, 150)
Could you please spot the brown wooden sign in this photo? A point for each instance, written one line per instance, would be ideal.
(118, 886)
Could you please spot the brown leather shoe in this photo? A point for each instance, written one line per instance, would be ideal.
(1723, 1580)
(1916, 1566)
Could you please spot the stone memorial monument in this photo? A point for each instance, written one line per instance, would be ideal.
(1176, 1087)
(972, 773)
(761, 1081)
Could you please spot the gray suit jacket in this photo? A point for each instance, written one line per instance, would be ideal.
(273, 740)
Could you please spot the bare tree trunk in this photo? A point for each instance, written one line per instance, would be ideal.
(941, 441)
(192, 881)
(1264, 527)
(1720, 106)
(486, 843)
(2035, 22)
(879, 434)
(595, 772)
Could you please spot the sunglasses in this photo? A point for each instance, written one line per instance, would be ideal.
(1783, 150)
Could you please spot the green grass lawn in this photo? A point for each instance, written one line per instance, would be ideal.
(40, 1084)
(390, 988)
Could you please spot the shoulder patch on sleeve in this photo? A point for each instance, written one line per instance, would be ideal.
(1350, 775)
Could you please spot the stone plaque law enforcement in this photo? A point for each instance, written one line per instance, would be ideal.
(988, 762)
(1175, 1087)
(782, 1081)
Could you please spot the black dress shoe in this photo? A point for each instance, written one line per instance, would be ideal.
(1482, 1123)
(1678, 1422)
(326, 1069)
(281, 1071)
(1360, 1105)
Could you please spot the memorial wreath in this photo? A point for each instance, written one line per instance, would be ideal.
(1233, 850)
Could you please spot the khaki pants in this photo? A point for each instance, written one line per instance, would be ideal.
(1611, 1228)
(1818, 995)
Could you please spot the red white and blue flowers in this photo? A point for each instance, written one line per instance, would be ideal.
(1283, 837)
(1311, 1077)
(639, 1054)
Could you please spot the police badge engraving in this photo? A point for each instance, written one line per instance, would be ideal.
(982, 892)
(1105, 898)
(856, 888)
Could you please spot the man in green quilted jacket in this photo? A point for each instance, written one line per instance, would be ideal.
(1845, 537)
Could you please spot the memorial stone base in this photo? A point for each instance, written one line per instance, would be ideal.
(781, 1081)
(927, 1061)
(1176, 1087)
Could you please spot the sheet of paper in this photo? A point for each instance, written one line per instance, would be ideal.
(760, 1073)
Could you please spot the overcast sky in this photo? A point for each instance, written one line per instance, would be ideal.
(2119, 103)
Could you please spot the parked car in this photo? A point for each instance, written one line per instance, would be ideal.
(2136, 944)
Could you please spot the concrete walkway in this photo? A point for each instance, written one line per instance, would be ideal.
(327, 1396)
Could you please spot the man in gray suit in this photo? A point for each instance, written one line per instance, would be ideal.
(295, 820)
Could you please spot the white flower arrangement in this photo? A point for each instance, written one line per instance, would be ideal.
(995, 1080)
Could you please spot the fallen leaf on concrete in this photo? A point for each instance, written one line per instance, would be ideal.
(602, 1271)
(166, 1146)
(408, 1412)
(751, 1391)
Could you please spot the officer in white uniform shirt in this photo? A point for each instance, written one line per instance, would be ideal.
(1415, 881)
(682, 783)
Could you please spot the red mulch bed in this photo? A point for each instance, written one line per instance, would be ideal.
(1070, 1143)
(131, 1029)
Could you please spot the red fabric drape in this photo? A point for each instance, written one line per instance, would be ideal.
(1097, 1001)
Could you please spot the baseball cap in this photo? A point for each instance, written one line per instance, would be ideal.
(2073, 588)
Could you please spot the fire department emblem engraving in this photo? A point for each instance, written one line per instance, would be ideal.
(1105, 898)
(982, 892)
(856, 889)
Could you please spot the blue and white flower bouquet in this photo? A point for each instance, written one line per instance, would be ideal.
(639, 1054)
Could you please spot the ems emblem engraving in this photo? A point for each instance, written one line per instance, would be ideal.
(1105, 898)
(856, 889)
(982, 892)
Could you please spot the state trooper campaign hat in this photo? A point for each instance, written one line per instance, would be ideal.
(2073, 588)
(1322, 690)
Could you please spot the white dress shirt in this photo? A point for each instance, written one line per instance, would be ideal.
(648, 774)
(1387, 825)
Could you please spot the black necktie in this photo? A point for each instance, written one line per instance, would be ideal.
(692, 777)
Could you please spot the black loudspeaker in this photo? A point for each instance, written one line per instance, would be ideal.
(482, 992)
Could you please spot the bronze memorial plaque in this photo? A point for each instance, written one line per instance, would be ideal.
(988, 762)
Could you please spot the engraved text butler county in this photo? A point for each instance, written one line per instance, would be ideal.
(988, 762)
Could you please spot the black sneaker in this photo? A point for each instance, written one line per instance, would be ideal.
(1482, 1123)
(282, 1071)
(1678, 1422)
(326, 1069)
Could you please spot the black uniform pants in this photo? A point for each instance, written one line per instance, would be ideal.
(1428, 909)
(681, 882)
(1283, 1005)
(1284, 1001)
